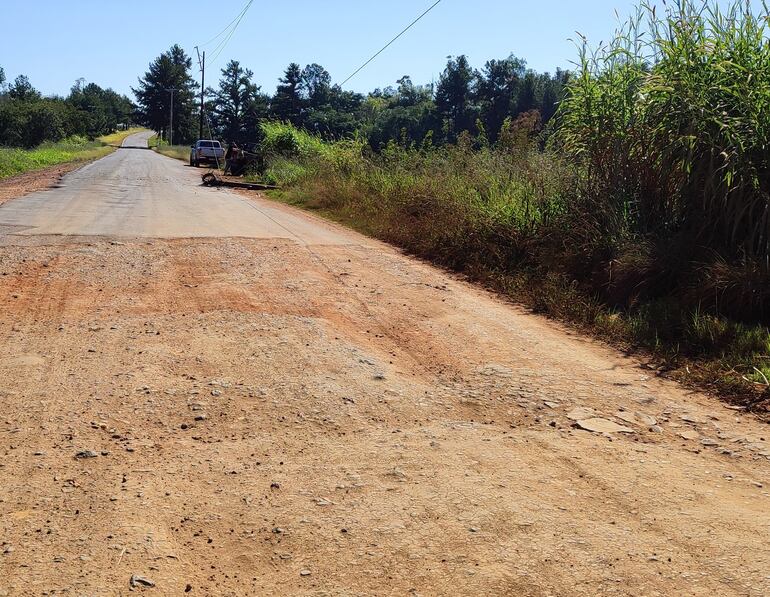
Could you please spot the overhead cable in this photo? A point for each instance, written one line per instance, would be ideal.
(386, 46)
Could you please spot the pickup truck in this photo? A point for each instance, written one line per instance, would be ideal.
(208, 151)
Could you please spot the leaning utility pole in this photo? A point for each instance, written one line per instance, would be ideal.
(202, 65)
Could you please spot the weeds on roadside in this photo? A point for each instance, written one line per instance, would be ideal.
(16, 161)
(644, 218)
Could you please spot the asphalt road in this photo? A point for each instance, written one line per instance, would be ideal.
(134, 192)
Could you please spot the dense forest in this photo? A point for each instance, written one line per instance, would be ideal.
(28, 119)
(463, 99)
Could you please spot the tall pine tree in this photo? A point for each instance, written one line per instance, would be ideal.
(456, 97)
(287, 102)
(238, 105)
(170, 70)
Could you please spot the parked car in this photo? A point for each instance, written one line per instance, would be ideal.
(206, 150)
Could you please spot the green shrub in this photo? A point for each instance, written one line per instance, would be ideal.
(283, 139)
(284, 172)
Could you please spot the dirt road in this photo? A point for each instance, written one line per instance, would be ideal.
(224, 396)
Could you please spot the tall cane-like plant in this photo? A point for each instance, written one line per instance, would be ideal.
(670, 123)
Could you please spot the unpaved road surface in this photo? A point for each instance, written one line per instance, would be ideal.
(224, 396)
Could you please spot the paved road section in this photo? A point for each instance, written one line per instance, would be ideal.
(135, 192)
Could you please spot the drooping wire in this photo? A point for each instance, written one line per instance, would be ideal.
(217, 51)
(218, 35)
(386, 46)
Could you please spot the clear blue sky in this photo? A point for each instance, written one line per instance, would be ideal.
(111, 42)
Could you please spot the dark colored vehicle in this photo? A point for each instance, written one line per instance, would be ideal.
(244, 158)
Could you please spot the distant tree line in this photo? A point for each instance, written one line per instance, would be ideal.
(28, 119)
(463, 99)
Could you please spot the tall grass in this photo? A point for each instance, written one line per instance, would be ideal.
(460, 206)
(669, 124)
(75, 149)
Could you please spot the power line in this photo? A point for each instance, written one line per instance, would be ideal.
(386, 46)
(218, 35)
(223, 44)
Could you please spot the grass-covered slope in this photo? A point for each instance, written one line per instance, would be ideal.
(75, 149)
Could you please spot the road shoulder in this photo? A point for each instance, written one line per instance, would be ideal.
(36, 180)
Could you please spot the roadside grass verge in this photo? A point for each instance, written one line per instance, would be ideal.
(116, 139)
(503, 216)
(178, 152)
(75, 149)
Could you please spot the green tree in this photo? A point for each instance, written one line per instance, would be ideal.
(28, 119)
(88, 99)
(316, 86)
(21, 89)
(463, 100)
(238, 107)
(326, 108)
(498, 90)
(456, 97)
(553, 91)
(406, 114)
(287, 102)
(119, 107)
(45, 122)
(528, 93)
(170, 70)
(337, 116)
(27, 123)
(256, 110)
(408, 94)
(101, 109)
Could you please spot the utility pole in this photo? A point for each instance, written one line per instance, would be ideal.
(202, 65)
(171, 118)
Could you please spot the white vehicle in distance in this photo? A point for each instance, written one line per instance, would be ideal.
(206, 150)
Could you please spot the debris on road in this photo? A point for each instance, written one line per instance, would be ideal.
(140, 581)
(210, 179)
(598, 425)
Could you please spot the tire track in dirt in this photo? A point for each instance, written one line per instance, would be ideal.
(446, 468)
